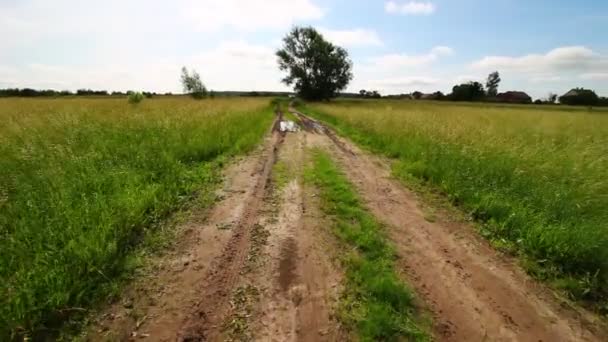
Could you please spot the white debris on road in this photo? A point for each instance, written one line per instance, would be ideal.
(288, 126)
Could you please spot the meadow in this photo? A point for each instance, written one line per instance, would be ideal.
(534, 176)
(84, 180)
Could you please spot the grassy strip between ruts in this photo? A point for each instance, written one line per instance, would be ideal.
(84, 181)
(375, 302)
(534, 178)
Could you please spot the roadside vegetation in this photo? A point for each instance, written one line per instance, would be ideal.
(83, 181)
(535, 177)
(375, 302)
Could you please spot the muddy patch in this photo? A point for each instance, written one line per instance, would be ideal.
(287, 265)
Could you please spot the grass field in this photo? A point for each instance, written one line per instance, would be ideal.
(82, 182)
(535, 176)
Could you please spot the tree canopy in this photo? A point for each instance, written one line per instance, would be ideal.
(472, 91)
(492, 84)
(192, 84)
(317, 69)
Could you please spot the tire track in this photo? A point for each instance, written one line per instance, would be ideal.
(206, 316)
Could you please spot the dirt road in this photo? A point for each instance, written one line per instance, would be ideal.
(262, 263)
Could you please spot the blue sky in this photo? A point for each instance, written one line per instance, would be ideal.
(397, 46)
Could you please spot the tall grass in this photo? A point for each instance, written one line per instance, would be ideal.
(537, 177)
(80, 181)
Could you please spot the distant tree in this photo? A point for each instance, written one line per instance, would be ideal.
(90, 92)
(375, 94)
(417, 95)
(192, 84)
(438, 96)
(472, 91)
(363, 93)
(28, 92)
(580, 97)
(135, 97)
(316, 68)
(551, 98)
(492, 84)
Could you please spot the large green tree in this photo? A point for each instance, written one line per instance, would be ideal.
(317, 69)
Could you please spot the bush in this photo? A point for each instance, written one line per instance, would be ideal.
(136, 97)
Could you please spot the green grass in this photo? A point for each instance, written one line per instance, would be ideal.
(535, 176)
(375, 302)
(289, 116)
(84, 180)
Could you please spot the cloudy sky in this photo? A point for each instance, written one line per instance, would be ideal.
(398, 46)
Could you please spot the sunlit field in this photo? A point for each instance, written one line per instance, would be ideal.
(83, 180)
(536, 176)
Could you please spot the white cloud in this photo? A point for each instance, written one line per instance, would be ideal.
(141, 44)
(28, 24)
(545, 78)
(467, 78)
(256, 65)
(352, 38)
(411, 8)
(249, 15)
(557, 70)
(601, 76)
(442, 51)
(397, 61)
(392, 73)
(560, 59)
(24, 21)
(403, 82)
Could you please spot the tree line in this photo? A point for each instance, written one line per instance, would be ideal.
(475, 92)
(29, 92)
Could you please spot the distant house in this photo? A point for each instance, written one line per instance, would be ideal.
(571, 93)
(514, 97)
(427, 97)
(581, 97)
(433, 96)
